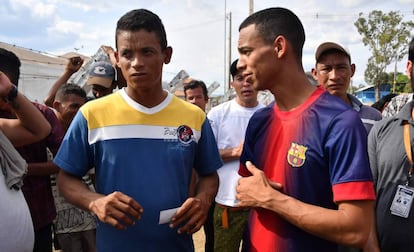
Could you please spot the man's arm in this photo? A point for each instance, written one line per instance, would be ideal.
(231, 154)
(42, 168)
(194, 210)
(372, 244)
(73, 65)
(30, 125)
(116, 209)
(349, 225)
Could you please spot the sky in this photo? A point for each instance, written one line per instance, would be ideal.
(195, 28)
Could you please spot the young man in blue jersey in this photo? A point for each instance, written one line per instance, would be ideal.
(312, 188)
(143, 143)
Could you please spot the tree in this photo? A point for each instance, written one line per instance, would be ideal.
(387, 38)
(353, 88)
(402, 83)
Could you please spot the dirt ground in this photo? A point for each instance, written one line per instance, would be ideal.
(199, 240)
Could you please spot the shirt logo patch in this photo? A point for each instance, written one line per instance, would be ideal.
(296, 155)
(185, 134)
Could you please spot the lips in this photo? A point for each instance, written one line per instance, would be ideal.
(246, 92)
(335, 86)
(137, 76)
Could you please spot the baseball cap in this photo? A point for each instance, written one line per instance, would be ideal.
(233, 68)
(101, 73)
(329, 46)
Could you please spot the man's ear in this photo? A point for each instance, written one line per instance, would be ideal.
(353, 67)
(167, 54)
(56, 105)
(410, 70)
(314, 73)
(279, 45)
(117, 58)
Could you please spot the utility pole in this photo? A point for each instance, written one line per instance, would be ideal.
(251, 7)
(394, 83)
(226, 66)
(228, 56)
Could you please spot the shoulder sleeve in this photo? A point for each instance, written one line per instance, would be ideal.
(346, 147)
(74, 155)
(255, 140)
(56, 134)
(213, 119)
(207, 158)
(372, 152)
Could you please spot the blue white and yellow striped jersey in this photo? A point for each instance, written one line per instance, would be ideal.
(146, 153)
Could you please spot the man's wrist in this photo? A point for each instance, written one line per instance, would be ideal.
(11, 96)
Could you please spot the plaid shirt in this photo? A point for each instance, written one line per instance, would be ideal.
(396, 104)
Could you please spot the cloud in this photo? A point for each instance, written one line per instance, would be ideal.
(406, 1)
(65, 26)
(195, 28)
(37, 9)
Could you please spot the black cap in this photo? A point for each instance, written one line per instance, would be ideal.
(233, 68)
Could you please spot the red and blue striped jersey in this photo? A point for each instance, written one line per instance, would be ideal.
(318, 152)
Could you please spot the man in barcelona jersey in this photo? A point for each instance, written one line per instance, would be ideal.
(305, 163)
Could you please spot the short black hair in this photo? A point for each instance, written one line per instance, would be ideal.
(192, 84)
(411, 51)
(380, 104)
(233, 68)
(273, 22)
(10, 65)
(69, 89)
(138, 19)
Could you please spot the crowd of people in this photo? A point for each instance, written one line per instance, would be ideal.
(135, 168)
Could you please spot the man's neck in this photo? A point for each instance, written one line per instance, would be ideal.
(148, 99)
(250, 104)
(287, 99)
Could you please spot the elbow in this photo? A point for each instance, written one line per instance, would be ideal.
(358, 237)
(358, 240)
(44, 131)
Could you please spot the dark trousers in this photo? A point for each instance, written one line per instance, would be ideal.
(209, 229)
(43, 239)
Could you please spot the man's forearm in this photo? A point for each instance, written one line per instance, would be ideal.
(349, 225)
(207, 187)
(31, 125)
(63, 79)
(229, 154)
(75, 191)
(42, 168)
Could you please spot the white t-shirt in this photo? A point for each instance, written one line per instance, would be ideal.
(229, 121)
(16, 226)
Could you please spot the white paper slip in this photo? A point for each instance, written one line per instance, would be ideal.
(166, 215)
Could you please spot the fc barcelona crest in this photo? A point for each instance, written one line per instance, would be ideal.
(296, 155)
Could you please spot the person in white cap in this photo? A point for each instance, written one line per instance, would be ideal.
(333, 71)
